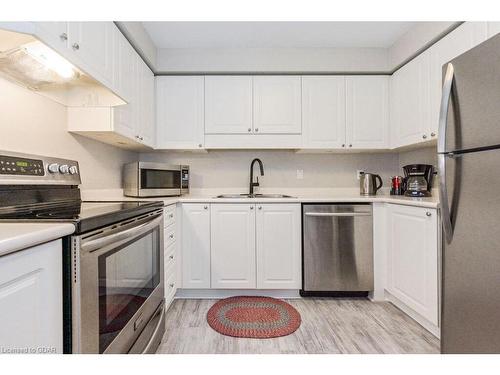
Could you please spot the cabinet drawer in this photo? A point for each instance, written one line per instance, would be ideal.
(169, 256)
(169, 213)
(170, 289)
(169, 236)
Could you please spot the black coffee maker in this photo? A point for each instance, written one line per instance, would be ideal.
(418, 180)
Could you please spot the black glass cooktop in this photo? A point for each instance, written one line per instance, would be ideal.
(86, 215)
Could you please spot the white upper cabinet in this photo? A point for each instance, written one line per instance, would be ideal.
(195, 246)
(92, 43)
(465, 37)
(146, 120)
(412, 265)
(179, 112)
(277, 104)
(323, 112)
(228, 105)
(278, 246)
(233, 246)
(55, 34)
(493, 28)
(367, 112)
(410, 102)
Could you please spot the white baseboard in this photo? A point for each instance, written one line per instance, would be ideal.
(432, 328)
(224, 293)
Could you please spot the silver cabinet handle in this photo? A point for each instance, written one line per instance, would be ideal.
(249, 130)
(171, 216)
(260, 207)
(428, 214)
(350, 145)
(171, 285)
(433, 134)
(424, 136)
(251, 207)
(205, 207)
(338, 214)
(441, 148)
(171, 257)
(63, 36)
(76, 46)
(171, 236)
(200, 145)
(256, 129)
(343, 144)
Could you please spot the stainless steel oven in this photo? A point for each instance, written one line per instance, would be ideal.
(146, 179)
(118, 287)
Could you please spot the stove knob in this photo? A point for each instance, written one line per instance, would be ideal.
(53, 168)
(64, 169)
(73, 169)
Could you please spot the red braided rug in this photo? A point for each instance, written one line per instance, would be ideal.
(253, 317)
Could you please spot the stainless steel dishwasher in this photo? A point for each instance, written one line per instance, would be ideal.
(337, 249)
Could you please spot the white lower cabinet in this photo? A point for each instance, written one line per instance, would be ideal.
(170, 254)
(233, 246)
(195, 246)
(31, 299)
(412, 260)
(278, 246)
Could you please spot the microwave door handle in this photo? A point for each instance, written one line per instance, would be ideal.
(119, 236)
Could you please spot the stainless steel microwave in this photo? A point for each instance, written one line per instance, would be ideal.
(146, 179)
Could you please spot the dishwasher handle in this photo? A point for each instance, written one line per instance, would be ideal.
(341, 214)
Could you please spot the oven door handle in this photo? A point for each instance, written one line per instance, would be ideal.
(119, 236)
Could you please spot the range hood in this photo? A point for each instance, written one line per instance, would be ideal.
(30, 63)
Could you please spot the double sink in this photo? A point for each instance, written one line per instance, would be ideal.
(254, 196)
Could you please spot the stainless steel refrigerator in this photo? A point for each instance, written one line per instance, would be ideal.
(469, 173)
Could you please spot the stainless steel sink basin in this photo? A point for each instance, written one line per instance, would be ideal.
(253, 196)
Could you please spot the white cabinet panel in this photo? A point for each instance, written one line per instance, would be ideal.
(367, 112)
(146, 121)
(323, 112)
(465, 37)
(233, 246)
(277, 104)
(493, 28)
(278, 246)
(195, 246)
(55, 34)
(228, 105)
(413, 259)
(410, 102)
(92, 43)
(31, 298)
(179, 112)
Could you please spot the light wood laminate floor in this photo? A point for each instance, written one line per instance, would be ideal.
(328, 326)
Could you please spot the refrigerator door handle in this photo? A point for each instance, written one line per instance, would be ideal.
(445, 104)
(443, 198)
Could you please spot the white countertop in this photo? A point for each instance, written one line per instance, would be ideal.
(299, 196)
(18, 236)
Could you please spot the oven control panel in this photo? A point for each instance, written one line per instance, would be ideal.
(21, 166)
(18, 169)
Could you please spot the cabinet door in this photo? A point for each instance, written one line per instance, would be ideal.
(233, 246)
(125, 80)
(323, 106)
(413, 259)
(277, 104)
(410, 102)
(92, 43)
(195, 246)
(367, 112)
(460, 40)
(146, 120)
(179, 112)
(228, 104)
(55, 34)
(493, 28)
(278, 246)
(31, 298)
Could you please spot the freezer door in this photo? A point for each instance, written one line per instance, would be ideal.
(470, 321)
(338, 248)
(473, 112)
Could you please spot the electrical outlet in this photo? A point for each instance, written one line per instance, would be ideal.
(359, 172)
(300, 174)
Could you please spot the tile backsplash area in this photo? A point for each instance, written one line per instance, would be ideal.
(283, 169)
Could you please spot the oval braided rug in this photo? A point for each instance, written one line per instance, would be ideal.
(253, 317)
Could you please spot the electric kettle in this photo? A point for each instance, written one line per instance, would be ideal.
(368, 183)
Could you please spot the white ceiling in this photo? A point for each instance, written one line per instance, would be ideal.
(275, 34)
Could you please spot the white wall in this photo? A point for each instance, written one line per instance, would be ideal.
(231, 169)
(272, 60)
(34, 124)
